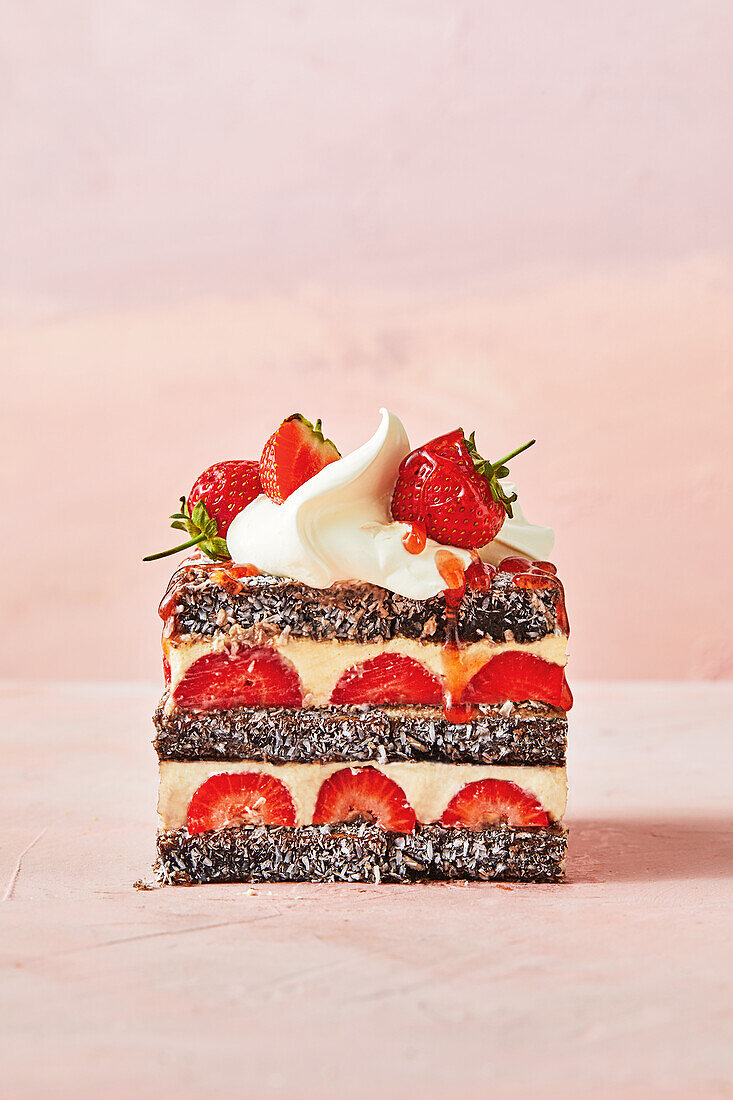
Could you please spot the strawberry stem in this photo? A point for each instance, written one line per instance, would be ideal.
(176, 549)
(494, 471)
(513, 454)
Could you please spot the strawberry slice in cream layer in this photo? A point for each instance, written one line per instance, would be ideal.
(304, 672)
(427, 788)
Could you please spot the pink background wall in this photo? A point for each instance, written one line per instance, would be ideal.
(512, 217)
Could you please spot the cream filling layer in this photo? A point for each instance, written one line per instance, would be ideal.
(428, 786)
(320, 664)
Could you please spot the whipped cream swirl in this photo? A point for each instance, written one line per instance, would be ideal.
(337, 526)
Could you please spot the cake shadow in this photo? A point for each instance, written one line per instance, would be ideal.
(640, 850)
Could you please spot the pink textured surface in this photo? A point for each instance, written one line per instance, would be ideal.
(622, 975)
(512, 217)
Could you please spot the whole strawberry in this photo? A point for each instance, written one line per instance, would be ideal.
(225, 489)
(293, 454)
(218, 495)
(453, 491)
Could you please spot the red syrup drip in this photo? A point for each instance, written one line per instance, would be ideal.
(514, 565)
(545, 566)
(246, 570)
(454, 678)
(480, 574)
(535, 582)
(540, 576)
(168, 604)
(227, 576)
(414, 540)
(225, 573)
(561, 613)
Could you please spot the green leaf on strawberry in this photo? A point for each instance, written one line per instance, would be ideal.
(202, 530)
(493, 471)
(218, 549)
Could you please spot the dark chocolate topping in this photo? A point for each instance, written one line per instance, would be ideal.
(522, 733)
(361, 853)
(203, 603)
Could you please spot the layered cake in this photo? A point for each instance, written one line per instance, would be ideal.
(364, 667)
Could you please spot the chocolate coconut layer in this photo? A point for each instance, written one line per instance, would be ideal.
(522, 733)
(204, 601)
(360, 853)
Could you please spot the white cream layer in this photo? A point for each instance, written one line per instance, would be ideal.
(428, 786)
(517, 537)
(320, 664)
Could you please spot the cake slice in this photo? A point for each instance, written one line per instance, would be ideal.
(320, 725)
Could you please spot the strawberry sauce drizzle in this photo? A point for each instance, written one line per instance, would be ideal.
(414, 540)
(455, 676)
(537, 576)
(224, 573)
(227, 576)
(480, 574)
(168, 604)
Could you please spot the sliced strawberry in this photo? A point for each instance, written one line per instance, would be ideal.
(388, 678)
(256, 677)
(518, 677)
(364, 794)
(293, 454)
(240, 798)
(493, 802)
(566, 695)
